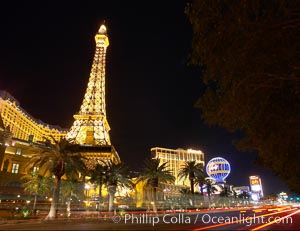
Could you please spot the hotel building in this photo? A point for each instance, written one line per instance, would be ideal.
(176, 159)
(22, 125)
(21, 135)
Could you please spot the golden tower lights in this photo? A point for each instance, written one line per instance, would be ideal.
(90, 128)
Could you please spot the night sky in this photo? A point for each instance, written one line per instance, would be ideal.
(46, 52)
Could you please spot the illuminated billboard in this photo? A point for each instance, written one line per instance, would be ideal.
(256, 187)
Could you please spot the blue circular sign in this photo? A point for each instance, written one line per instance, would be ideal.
(218, 168)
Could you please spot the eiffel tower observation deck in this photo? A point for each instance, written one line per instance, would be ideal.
(90, 129)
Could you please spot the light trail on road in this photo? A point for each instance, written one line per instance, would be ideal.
(275, 221)
(242, 221)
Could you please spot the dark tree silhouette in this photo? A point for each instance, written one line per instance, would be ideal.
(250, 57)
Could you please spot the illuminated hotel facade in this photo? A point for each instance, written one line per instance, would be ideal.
(22, 125)
(21, 136)
(176, 159)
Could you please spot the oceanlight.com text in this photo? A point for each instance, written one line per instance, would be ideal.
(184, 218)
(242, 219)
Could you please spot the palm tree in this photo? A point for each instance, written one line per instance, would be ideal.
(59, 156)
(36, 184)
(191, 170)
(99, 176)
(70, 188)
(209, 185)
(200, 180)
(116, 176)
(154, 173)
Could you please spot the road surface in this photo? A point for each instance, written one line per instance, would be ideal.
(248, 219)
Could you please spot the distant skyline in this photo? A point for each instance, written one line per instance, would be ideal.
(46, 52)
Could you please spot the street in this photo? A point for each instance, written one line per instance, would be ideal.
(254, 219)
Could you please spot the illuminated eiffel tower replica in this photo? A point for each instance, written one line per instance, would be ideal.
(90, 128)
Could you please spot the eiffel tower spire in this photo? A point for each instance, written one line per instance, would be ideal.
(90, 126)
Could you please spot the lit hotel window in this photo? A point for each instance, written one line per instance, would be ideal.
(15, 168)
(18, 151)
